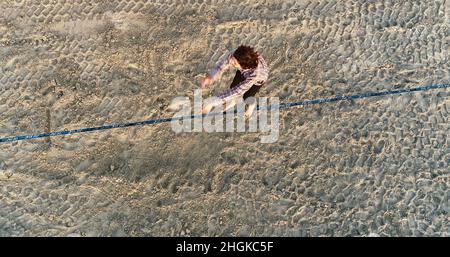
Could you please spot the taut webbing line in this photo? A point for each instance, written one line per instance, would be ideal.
(280, 106)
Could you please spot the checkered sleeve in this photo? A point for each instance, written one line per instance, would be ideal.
(240, 89)
(221, 67)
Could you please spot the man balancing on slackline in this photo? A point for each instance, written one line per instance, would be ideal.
(252, 72)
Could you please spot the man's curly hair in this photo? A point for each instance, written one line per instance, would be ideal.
(246, 56)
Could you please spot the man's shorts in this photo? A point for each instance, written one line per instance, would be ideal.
(238, 78)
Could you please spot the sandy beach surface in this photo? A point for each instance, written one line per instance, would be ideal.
(373, 167)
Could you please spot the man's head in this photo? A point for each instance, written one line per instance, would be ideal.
(246, 56)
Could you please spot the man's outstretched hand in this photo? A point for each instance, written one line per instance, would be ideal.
(206, 82)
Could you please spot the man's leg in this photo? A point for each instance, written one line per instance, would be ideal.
(238, 78)
(250, 100)
(251, 105)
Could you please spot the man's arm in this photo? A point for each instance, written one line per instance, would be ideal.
(215, 73)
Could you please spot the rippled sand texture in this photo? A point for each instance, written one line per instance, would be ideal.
(369, 167)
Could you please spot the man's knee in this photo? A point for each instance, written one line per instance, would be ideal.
(250, 100)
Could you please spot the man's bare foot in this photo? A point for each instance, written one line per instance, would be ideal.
(206, 109)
